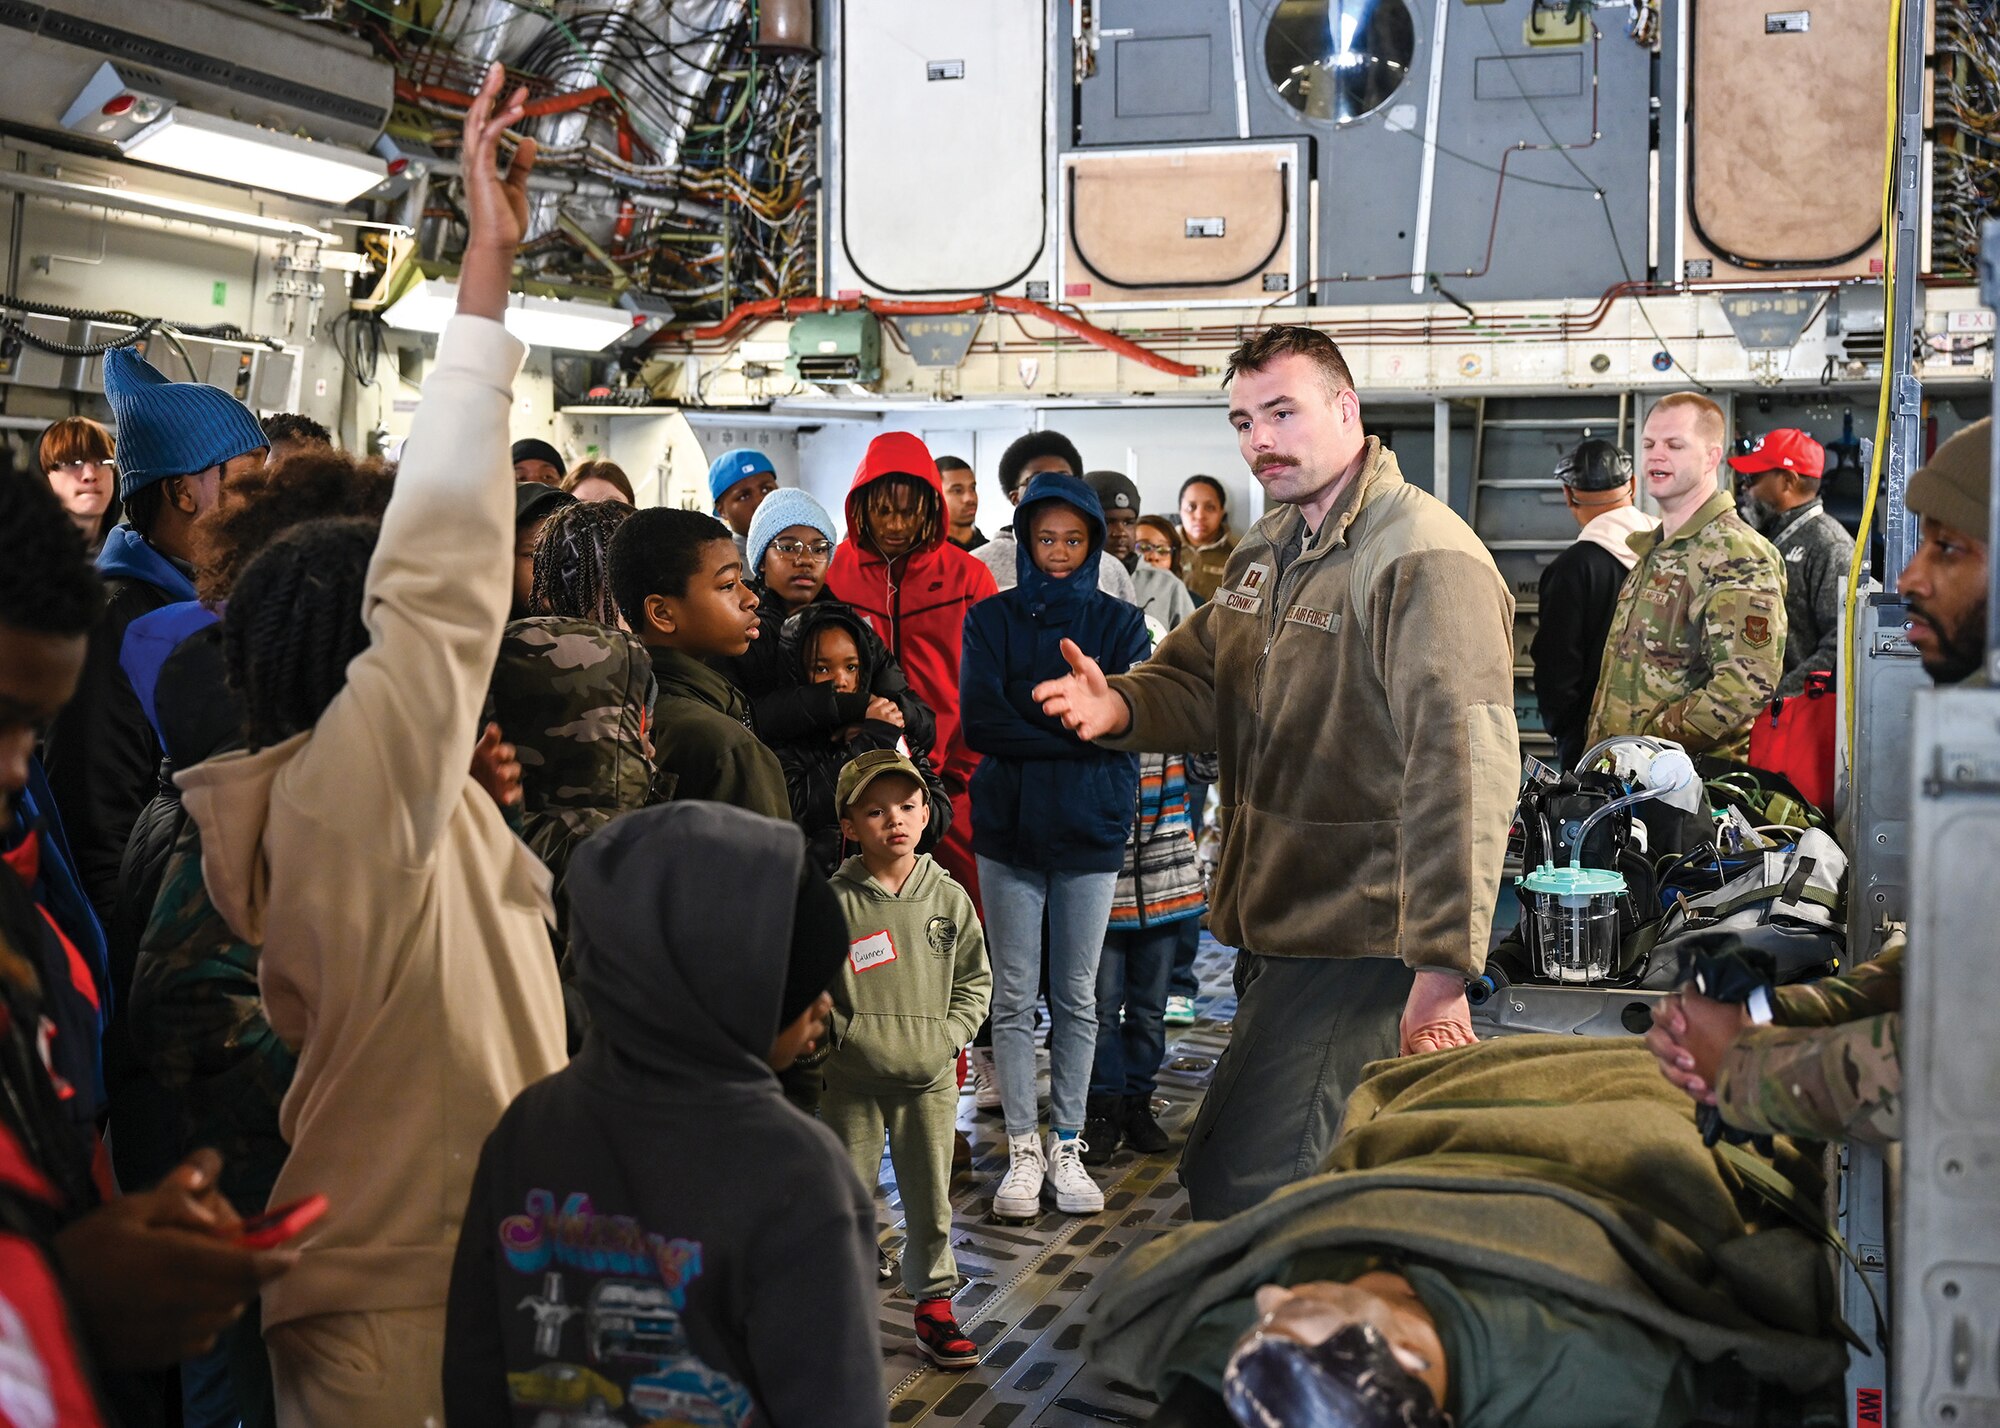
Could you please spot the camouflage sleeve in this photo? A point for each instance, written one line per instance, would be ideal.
(1825, 1083)
(195, 1011)
(1861, 992)
(1743, 645)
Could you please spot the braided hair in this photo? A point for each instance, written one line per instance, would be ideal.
(573, 561)
(293, 624)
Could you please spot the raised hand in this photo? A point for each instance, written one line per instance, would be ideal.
(496, 205)
(1083, 699)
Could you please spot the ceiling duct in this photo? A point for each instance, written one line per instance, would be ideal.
(249, 67)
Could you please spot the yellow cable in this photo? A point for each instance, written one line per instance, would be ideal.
(1847, 677)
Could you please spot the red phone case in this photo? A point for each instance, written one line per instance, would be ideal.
(274, 1227)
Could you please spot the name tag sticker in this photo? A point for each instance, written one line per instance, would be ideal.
(878, 949)
(1326, 620)
(1237, 600)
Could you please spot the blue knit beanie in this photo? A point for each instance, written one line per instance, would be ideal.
(733, 466)
(784, 508)
(171, 428)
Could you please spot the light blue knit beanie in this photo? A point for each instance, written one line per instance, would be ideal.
(784, 508)
(171, 428)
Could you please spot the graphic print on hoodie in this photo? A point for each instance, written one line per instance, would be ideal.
(628, 1255)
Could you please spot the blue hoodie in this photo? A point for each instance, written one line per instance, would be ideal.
(127, 553)
(1042, 797)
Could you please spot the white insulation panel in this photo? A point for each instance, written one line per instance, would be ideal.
(943, 125)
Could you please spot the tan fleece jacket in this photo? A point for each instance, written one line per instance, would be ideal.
(1362, 703)
(405, 953)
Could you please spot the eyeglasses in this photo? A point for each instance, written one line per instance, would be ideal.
(1147, 547)
(797, 549)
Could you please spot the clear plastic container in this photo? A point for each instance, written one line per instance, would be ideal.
(1576, 922)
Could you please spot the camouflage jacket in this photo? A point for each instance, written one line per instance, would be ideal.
(574, 697)
(198, 1023)
(1830, 1064)
(1697, 643)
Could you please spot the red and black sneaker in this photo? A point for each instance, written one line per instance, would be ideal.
(939, 1336)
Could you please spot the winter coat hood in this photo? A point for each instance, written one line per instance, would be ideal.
(125, 553)
(895, 453)
(679, 945)
(1613, 529)
(1046, 592)
(801, 629)
(573, 697)
(149, 641)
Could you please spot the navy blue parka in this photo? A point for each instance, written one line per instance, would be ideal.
(1043, 798)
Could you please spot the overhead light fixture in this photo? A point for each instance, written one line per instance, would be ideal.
(562, 323)
(213, 147)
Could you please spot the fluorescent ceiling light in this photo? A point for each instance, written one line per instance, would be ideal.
(538, 321)
(217, 148)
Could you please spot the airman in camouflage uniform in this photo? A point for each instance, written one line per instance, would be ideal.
(574, 698)
(1697, 642)
(1829, 1066)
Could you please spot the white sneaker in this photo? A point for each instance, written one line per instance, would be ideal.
(1180, 1011)
(1020, 1194)
(1076, 1192)
(985, 1080)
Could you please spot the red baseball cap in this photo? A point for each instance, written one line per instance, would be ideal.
(1787, 449)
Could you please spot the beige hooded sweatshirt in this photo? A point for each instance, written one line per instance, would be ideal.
(405, 953)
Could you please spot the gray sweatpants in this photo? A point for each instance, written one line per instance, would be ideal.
(1305, 1026)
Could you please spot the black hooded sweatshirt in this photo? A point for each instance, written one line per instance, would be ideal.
(813, 759)
(654, 1233)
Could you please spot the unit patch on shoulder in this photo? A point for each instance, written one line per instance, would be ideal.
(943, 935)
(1756, 631)
(1324, 620)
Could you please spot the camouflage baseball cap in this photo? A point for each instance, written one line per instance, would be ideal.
(865, 769)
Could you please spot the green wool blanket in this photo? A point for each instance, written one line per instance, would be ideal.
(1565, 1163)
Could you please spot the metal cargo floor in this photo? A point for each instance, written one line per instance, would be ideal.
(1026, 1286)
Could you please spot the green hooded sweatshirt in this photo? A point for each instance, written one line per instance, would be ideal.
(915, 985)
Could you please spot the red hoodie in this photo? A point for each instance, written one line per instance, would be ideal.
(917, 602)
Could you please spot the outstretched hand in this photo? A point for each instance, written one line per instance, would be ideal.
(1083, 699)
(496, 204)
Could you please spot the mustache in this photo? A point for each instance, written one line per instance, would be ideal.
(1272, 463)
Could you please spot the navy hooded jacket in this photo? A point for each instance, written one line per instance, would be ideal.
(1043, 798)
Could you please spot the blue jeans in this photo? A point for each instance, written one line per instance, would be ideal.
(1182, 982)
(1132, 980)
(1079, 907)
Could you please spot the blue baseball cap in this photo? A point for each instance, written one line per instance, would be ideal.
(738, 465)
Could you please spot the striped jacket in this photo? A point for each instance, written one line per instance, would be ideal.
(1161, 879)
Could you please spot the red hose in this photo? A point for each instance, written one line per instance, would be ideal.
(628, 214)
(534, 109)
(764, 309)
